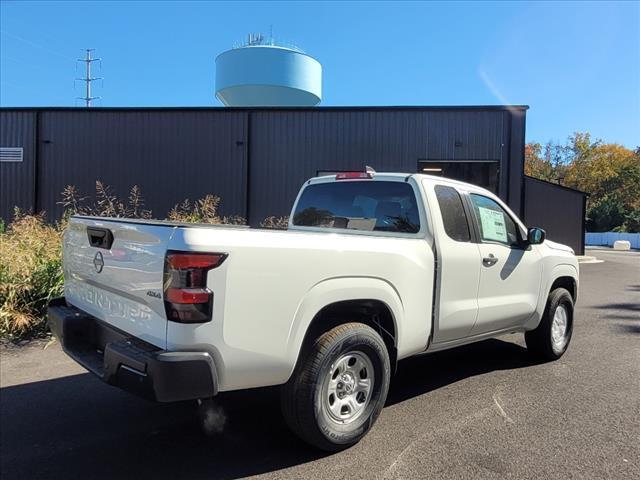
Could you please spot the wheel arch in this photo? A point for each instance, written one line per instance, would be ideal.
(333, 302)
(563, 275)
(568, 283)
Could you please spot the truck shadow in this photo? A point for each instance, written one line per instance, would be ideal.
(77, 427)
(420, 375)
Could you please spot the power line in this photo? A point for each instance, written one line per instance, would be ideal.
(34, 44)
(88, 60)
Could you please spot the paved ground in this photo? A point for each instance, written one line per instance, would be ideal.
(482, 411)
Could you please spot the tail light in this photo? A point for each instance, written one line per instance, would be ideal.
(186, 296)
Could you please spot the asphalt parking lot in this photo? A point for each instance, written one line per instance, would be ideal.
(481, 411)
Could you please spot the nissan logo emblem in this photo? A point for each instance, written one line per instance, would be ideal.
(98, 262)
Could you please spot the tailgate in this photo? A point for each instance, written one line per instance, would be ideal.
(113, 270)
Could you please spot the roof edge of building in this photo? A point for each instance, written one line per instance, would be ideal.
(274, 108)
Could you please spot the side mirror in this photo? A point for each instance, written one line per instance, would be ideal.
(536, 236)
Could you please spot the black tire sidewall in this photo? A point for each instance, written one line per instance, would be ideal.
(363, 340)
(559, 297)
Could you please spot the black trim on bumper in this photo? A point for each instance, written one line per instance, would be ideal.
(128, 362)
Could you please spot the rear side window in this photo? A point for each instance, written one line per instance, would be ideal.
(453, 215)
(359, 205)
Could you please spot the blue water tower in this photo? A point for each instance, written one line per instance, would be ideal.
(261, 73)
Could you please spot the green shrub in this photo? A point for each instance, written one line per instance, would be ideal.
(30, 274)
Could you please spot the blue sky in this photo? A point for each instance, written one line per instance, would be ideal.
(576, 64)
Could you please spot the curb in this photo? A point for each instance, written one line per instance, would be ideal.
(588, 259)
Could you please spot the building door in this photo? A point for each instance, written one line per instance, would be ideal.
(484, 174)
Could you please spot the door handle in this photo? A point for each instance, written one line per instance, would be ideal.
(490, 260)
(100, 237)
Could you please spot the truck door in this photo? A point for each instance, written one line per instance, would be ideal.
(511, 272)
(459, 266)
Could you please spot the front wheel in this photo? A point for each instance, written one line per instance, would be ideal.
(339, 387)
(552, 336)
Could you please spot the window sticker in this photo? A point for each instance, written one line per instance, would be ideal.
(493, 225)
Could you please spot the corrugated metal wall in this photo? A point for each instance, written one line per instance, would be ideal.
(288, 147)
(513, 171)
(170, 155)
(255, 159)
(558, 210)
(17, 129)
(262, 155)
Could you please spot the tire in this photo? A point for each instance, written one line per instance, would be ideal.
(337, 364)
(551, 338)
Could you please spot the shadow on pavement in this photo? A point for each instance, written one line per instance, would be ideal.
(77, 427)
(634, 307)
(627, 314)
(419, 375)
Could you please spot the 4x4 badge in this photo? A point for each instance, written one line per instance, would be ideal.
(98, 262)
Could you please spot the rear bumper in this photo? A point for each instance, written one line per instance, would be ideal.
(128, 362)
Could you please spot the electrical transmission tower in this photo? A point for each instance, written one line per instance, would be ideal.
(88, 78)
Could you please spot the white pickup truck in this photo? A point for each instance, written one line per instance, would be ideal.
(374, 268)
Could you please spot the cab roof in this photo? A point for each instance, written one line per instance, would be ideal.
(398, 176)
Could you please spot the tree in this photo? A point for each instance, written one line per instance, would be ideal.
(605, 169)
(606, 214)
(632, 221)
(546, 162)
(609, 172)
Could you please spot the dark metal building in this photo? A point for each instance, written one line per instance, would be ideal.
(255, 159)
(561, 211)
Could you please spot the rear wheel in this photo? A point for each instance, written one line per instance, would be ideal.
(552, 336)
(339, 387)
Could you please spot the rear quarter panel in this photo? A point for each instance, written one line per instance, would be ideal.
(273, 283)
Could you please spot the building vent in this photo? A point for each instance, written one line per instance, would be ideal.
(11, 154)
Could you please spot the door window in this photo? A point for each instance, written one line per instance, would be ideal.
(453, 216)
(494, 223)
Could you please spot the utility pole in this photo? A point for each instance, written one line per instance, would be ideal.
(88, 78)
